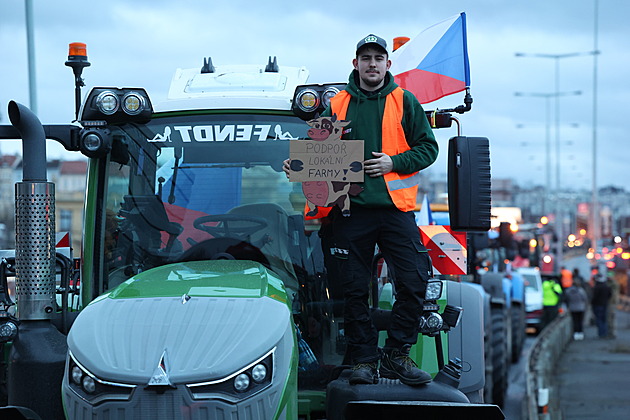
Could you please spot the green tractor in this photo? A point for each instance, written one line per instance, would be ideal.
(204, 293)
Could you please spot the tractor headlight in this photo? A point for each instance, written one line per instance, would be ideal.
(76, 374)
(430, 323)
(87, 386)
(117, 105)
(328, 94)
(239, 385)
(308, 100)
(95, 142)
(259, 373)
(434, 322)
(241, 382)
(92, 142)
(133, 103)
(107, 102)
(434, 290)
(8, 331)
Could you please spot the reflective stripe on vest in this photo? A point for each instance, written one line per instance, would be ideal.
(402, 188)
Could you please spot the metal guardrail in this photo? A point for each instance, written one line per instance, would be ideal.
(542, 391)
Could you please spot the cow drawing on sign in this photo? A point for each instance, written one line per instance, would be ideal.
(327, 193)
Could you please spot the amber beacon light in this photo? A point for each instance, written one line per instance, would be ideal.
(77, 59)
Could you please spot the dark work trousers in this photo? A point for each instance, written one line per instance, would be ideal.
(578, 321)
(600, 320)
(398, 238)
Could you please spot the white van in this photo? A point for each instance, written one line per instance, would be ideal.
(533, 296)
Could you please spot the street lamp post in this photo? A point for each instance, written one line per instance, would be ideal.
(557, 94)
(594, 192)
(547, 97)
(558, 207)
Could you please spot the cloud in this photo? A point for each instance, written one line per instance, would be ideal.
(141, 43)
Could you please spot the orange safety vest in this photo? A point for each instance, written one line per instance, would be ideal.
(403, 188)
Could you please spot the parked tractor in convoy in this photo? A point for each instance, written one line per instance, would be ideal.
(204, 292)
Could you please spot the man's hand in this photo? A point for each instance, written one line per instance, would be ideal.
(285, 167)
(379, 166)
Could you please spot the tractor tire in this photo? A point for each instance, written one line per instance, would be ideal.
(499, 356)
(518, 331)
(487, 347)
(509, 337)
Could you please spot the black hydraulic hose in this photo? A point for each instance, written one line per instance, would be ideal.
(33, 142)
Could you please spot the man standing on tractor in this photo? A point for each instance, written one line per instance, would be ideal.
(398, 143)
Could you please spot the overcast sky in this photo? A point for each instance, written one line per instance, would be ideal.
(140, 43)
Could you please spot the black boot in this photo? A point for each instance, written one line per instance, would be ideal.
(396, 364)
(364, 373)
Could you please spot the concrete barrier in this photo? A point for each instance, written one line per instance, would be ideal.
(624, 303)
(541, 389)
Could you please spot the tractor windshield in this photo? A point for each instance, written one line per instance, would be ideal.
(203, 187)
(211, 186)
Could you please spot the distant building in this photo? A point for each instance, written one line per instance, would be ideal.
(70, 197)
(8, 165)
(70, 180)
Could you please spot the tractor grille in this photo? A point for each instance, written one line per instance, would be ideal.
(171, 404)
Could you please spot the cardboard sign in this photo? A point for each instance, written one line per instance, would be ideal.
(326, 157)
(337, 160)
(327, 166)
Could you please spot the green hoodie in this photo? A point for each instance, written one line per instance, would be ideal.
(365, 113)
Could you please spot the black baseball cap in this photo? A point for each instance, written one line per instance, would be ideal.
(372, 39)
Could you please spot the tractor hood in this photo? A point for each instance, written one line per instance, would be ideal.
(199, 321)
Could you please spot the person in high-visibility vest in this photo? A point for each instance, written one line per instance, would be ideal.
(566, 278)
(398, 143)
(552, 294)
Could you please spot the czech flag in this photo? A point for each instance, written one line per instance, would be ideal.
(434, 64)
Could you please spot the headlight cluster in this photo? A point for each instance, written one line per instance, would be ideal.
(240, 385)
(308, 100)
(432, 322)
(117, 105)
(89, 387)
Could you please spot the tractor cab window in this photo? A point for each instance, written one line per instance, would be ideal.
(203, 187)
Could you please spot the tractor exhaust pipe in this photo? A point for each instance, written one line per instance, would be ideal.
(33, 142)
(35, 221)
(37, 356)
